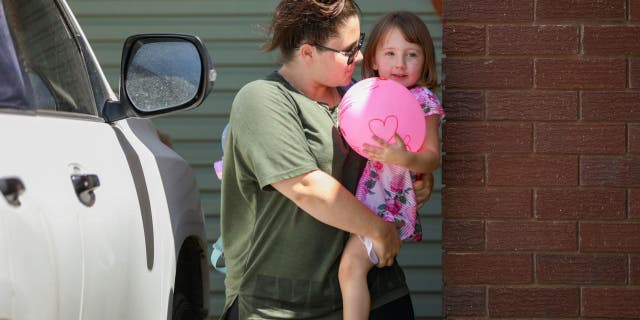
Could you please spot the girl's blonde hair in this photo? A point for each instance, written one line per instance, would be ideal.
(414, 31)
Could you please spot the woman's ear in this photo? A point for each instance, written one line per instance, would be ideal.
(306, 52)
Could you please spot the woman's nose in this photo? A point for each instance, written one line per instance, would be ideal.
(359, 56)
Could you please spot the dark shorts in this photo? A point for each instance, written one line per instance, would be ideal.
(400, 309)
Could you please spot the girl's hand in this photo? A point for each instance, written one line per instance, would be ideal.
(394, 153)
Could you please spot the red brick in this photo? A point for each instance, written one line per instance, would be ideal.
(531, 236)
(580, 204)
(463, 170)
(634, 72)
(532, 105)
(582, 10)
(462, 235)
(532, 170)
(634, 204)
(464, 301)
(486, 203)
(634, 11)
(476, 268)
(488, 10)
(634, 272)
(581, 73)
(482, 137)
(610, 237)
(618, 303)
(580, 138)
(463, 105)
(581, 269)
(487, 73)
(533, 40)
(534, 302)
(463, 39)
(610, 171)
(633, 137)
(611, 106)
(611, 40)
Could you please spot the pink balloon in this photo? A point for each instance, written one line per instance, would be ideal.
(380, 107)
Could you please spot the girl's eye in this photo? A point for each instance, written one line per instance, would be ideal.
(389, 53)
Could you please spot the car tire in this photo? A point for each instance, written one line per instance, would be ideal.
(183, 309)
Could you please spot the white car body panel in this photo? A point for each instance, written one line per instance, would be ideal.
(116, 259)
(72, 248)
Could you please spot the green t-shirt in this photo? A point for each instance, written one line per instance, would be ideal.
(281, 262)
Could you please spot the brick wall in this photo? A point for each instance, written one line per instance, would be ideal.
(542, 159)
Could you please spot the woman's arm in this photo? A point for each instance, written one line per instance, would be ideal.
(426, 160)
(325, 199)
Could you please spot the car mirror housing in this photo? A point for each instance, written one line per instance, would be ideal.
(159, 74)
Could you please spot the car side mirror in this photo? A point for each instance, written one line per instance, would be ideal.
(161, 73)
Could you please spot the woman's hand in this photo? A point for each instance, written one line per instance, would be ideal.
(423, 188)
(388, 244)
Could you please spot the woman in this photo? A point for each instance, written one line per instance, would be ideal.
(287, 202)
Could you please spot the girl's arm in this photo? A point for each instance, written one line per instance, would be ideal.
(424, 161)
(325, 199)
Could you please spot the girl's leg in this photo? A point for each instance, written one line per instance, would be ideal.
(354, 267)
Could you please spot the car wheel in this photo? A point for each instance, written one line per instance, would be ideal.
(183, 309)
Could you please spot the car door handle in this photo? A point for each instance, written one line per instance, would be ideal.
(84, 184)
(12, 188)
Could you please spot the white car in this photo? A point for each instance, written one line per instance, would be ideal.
(98, 218)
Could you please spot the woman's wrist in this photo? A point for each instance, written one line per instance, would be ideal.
(380, 229)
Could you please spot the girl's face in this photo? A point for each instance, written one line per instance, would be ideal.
(397, 59)
(332, 66)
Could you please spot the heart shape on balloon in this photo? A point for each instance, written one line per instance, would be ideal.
(407, 142)
(384, 129)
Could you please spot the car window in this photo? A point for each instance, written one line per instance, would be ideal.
(13, 93)
(52, 64)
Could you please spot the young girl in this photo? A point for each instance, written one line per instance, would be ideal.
(399, 48)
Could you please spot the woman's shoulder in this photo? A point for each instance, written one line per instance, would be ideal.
(270, 86)
(272, 80)
(262, 95)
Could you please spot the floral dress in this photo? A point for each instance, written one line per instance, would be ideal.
(387, 189)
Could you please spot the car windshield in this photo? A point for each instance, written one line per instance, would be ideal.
(51, 72)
